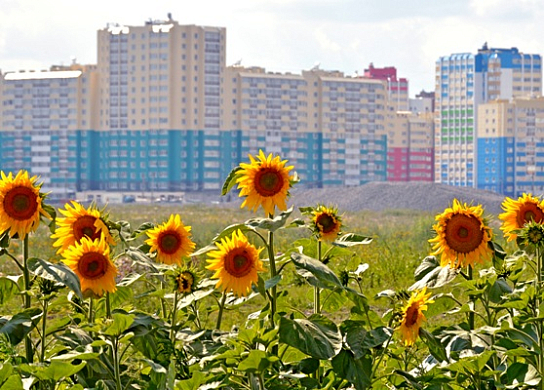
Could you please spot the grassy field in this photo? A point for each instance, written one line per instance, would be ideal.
(400, 242)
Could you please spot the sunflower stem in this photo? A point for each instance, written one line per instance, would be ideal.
(317, 291)
(163, 304)
(538, 255)
(26, 277)
(470, 276)
(90, 314)
(108, 306)
(220, 314)
(44, 323)
(116, 364)
(174, 313)
(273, 272)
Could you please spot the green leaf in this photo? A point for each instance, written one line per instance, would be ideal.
(73, 355)
(58, 272)
(230, 181)
(430, 274)
(204, 250)
(519, 374)
(243, 227)
(356, 371)
(499, 289)
(197, 295)
(308, 365)
(21, 324)
(360, 340)
(323, 273)
(139, 257)
(318, 336)
(55, 372)
(5, 372)
(268, 284)
(121, 322)
(4, 240)
(270, 224)
(8, 288)
(142, 229)
(14, 382)
(428, 264)
(256, 361)
(435, 346)
(351, 239)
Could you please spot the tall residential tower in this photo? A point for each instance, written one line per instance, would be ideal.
(463, 82)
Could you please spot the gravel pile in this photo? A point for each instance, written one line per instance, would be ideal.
(379, 196)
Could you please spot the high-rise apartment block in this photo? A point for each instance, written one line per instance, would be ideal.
(41, 115)
(397, 88)
(510, 144)
(463, 82)
(410, 146)
(162, 111)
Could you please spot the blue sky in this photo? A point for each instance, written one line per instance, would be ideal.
(284, 35)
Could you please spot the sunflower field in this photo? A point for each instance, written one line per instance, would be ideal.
(109, 305)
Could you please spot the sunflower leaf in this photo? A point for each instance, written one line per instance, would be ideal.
(21, 324)
(8, 288)
(428, 264)
(271, 224)
(351, 239)
(58, 272)
(4, 239)
(326, 277)
(317, 336)
(435, 346)
(357, 371)
(230, 181)
(437, 277)
(231, 229)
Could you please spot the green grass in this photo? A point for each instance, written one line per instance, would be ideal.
(399, 243)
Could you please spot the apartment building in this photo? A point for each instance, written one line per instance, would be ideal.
(42, 114)
(162, 111)
(463, 82)
(331, 127)
(160, 95)
(397, 88)
(410, 146)
(510, 143)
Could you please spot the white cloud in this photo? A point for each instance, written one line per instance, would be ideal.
(284, 35)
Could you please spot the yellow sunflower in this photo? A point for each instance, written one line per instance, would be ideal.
(185, 281)
(77, 223)
(413, 317)
(462, 236)
(90, 260)
(518, 212)
(20, 204)
(265, 182)
(327, 223)
(236, 264)
(171, 241)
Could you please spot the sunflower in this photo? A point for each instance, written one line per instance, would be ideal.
(186, 281)
(21, 204)
(171, 240)
(462, 236)
(265, 182)
(518, 212)
(77, 223)
(236, 264)
(413, 317)
(90, 260)
(326, 223)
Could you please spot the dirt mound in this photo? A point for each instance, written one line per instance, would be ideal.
(378, 196)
